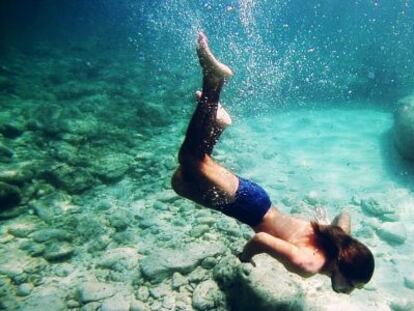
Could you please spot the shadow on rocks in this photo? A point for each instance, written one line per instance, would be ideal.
(399, 169)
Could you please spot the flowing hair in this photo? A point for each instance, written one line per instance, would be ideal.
(353, 259)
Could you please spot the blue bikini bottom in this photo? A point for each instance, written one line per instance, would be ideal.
(250, 205)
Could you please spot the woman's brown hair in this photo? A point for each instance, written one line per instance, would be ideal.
(353, 259)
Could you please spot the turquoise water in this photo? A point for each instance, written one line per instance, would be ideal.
(95, 97)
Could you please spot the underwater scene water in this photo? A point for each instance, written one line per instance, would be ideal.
(95, 98)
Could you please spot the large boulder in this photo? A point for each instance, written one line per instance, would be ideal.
(404, 127)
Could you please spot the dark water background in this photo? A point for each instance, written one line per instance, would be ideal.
(282, 51)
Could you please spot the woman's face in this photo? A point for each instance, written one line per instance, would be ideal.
(341, 284)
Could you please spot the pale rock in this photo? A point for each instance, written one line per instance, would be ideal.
(116, 303)
(24, 228)
(92, 306)
(94, 291)
(143, 293)
(165, 262)
(44, 235)
(178, 280)
(207, 296)
(45, 297)
(197, 275)
(392, 233)
(199, 230)
(112, 167)
(137, 305)
(384, 210)
(160, 291)
(122, 258)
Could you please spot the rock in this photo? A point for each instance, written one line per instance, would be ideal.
(226, 270)
(44, 235)
(46, 297)
(74, 180)
(209, 262)
(143, 293)
(92, 306)
(199, 230)
(138, 306)
(115, 303)
(10, 196)
(409, 281)
(32, 248)
(12, 129)
(178, 280)
(94, 291)
(52, 206)
(392, 233)
(112, 167)
(58, 251)
(384, 211)
(120, 220)
(404, 127)
(119, 259)
(5, 153)
(18, 174)
(24, 228)
(197, 275)
(165, 262)
(24, 289)
(256, 288)
(160, 291)
(207, 296)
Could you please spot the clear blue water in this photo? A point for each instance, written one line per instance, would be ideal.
(94, 100)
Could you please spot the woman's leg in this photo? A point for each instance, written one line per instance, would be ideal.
(199, 177)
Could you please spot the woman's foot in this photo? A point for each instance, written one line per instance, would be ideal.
(212, 68)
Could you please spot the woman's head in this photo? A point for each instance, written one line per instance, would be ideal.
(351, 262)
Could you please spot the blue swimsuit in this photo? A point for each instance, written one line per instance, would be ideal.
(250, 205)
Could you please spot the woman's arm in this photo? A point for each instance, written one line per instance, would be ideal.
(262, 242)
